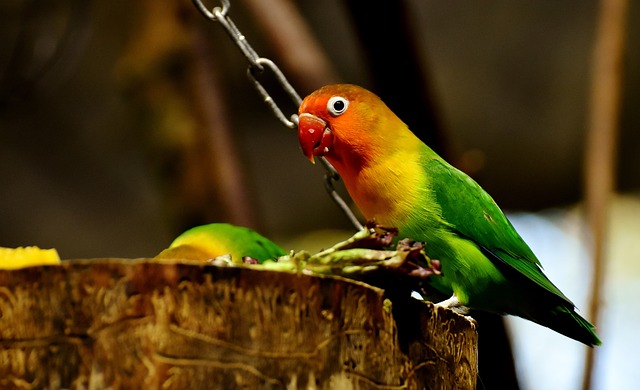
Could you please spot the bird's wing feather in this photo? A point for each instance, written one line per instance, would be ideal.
(472, 213)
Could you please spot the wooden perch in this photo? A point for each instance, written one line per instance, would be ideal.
(134, 324)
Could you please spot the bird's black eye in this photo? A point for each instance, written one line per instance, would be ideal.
(337, 105)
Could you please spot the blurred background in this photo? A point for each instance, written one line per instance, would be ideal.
(122, 124)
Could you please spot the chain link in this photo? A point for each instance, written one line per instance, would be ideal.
(217, 13)
(284, 83)
(258, 64)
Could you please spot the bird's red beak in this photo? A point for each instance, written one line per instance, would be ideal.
(314, 135)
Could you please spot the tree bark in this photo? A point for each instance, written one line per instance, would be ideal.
(118, 323)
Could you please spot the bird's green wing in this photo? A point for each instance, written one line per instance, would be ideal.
(253, 243)
(472, 213)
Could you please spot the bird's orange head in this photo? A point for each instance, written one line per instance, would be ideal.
(347, 124)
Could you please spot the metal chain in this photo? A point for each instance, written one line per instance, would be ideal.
(259, 64)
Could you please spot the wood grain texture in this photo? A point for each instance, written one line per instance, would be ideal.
(118, 323)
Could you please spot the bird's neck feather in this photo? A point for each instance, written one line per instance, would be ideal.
(383, 174)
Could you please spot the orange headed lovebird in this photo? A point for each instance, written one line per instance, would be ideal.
(397, 180)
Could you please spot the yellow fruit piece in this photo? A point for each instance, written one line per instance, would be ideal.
(13, 258)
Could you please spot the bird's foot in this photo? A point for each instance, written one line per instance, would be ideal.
(454, 304)
(449, 303)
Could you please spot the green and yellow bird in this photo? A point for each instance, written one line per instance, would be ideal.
(397, 180)
(207, 242)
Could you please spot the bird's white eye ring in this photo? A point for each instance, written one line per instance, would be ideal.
(337, 105)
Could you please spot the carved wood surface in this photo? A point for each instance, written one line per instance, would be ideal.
(133, 324)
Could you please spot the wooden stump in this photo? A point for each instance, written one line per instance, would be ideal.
(143, 324)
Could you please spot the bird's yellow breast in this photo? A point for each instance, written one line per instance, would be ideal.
(390, 189)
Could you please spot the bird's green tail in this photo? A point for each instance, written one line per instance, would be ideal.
(566, 321)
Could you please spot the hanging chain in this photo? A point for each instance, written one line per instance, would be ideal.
(259, 64)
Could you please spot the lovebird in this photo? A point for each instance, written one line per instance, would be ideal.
(396, 180)
(218, 239)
